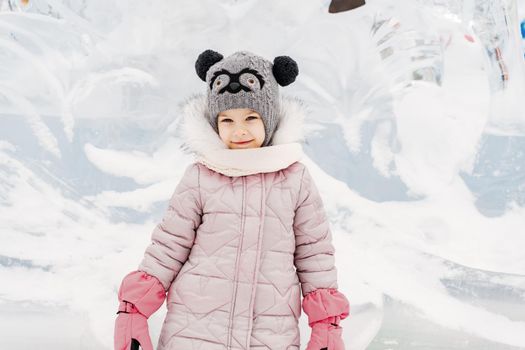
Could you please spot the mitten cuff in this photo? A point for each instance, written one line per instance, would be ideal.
(127, 308)
(327, 305)
(144, 292)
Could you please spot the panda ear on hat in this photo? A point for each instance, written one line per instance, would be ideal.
(285, 70)
(205, 60)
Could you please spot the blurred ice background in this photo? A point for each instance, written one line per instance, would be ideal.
(416, 137)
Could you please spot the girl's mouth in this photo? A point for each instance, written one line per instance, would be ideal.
(242, 143)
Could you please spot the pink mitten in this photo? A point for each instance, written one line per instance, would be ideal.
(325, 308)
(326, 335)
(140, 295)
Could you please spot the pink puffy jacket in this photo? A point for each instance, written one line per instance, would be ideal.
(244, 235)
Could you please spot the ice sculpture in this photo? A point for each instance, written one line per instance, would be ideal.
(427, 203)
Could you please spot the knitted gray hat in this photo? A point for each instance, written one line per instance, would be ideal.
(245, 80)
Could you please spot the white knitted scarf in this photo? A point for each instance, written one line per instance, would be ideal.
(204, 143)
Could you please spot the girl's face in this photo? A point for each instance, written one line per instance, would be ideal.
(241, 128)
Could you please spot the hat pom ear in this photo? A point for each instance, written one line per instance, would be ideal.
(205, 60)
(285, 70)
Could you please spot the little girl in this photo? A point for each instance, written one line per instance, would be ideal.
(245, 233)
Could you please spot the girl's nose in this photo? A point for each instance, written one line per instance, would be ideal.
(240, 132)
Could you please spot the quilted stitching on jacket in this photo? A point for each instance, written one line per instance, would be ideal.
(235, 253)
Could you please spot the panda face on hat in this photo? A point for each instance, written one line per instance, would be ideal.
(245, 80)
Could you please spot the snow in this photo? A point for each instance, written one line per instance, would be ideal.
(418, 152)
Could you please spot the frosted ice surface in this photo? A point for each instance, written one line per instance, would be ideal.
(415, 138)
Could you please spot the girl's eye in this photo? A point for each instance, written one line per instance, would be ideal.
(229, 120)
(250, 116)
(251, 81)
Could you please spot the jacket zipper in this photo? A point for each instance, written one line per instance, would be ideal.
(258, 259)
(235, 277)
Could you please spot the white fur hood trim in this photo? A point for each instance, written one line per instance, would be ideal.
(204, 143)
